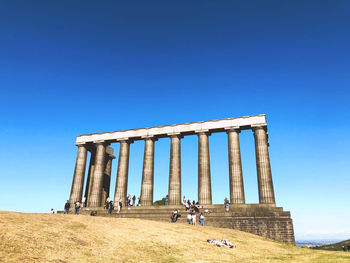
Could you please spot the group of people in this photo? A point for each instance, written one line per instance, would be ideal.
(192, 218)
(77, 206)
(193, 208)
(131, 201)
(110, 205)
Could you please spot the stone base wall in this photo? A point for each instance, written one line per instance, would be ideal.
(263, 220)
(276, 228)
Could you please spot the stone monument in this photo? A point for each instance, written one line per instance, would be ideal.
(263, 219)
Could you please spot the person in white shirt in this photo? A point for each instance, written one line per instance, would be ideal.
(194, 219)
(77, 207)
(189, 218)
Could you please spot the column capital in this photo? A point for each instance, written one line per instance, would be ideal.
(150, 137)
(127, 140)
(199, 132)
(176, 134)
(81, 145)
(233, 129)
(259, 127)
(101, 142)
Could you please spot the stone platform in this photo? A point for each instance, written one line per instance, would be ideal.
(259, 219)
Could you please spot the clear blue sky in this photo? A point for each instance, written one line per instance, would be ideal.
(75, 67)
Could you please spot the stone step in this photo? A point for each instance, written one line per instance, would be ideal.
(219, 206)
(165, 213)
(212, 208)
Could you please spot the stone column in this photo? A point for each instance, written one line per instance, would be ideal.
(235, 167)
(97, 179)
(175, 171)
(204, 181)
(266, 193)
(79, 174)
(148, 173)
(121, 185)
(90, 174)
(107, 177)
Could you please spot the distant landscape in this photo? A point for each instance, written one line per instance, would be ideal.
(319, 242)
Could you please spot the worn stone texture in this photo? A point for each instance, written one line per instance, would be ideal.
(204, 180)
(265, 185)
(121, 185)
(90, 174)
(191, 128)
(148, 173)
(235, 168)
(78, 178)
(95, 197)
(175, 171)
(106, 179)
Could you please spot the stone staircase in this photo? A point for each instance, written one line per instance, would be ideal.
(260, 219)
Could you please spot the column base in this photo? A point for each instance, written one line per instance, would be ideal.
(95, 204)
(146, 203)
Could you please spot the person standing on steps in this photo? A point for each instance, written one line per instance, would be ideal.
(66, 207)
(77, 207)
(194, 218)
(187, 206)
(120, 205)
(83, 202)
(133, 200)
(110, 207)
(226, 200)
(227, 204)
(166, 200)
(129, 200)
(201, 219)
(189, 218)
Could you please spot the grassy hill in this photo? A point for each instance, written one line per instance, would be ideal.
(70, 238)
(335, 246)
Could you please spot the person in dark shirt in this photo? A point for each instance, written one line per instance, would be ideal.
(66, 207)
(133, 200)
(110, 207)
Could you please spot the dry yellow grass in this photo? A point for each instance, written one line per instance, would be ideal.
(70, 238)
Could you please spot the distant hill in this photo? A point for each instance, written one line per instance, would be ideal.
(70, 238)
(335, 246)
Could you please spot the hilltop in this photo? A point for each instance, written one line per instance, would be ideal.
(70, 238)
(335, 246)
